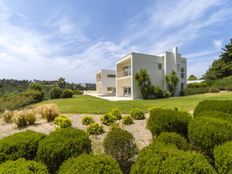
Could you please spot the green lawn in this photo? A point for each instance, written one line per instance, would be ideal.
(89, 104)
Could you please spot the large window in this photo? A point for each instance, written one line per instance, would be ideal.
(182, 73)
(111, 75)
(160, 66)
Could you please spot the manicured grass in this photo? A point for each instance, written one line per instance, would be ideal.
(89, 104)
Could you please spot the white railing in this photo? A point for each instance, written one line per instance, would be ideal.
(123, 73)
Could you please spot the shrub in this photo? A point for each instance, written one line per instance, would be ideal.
(223, 83)
(157, 92)
(21, 166)
(223, 158)
(21, 145)
(215, 114)
(19, 119)
(163, 159)
(115, 112)
(58, 146)
(55, 93)
(205, 133)
(120, 144)
(137, 114)
(36, 95)
(172, 138)
(228, 88)
(214, 105)
(90, 164)
(63, 121)
(192, 91)
(108, 119)
(95, 129)
(127, 120)
(166, 120)
(30, 116)
(166, 94)
(7, 116)
(48, 111)
(77, 92)
(67, 93)
(214, 90)
(197, 85)
(87, 120)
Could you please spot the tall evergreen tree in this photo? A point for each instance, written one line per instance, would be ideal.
(221, 67)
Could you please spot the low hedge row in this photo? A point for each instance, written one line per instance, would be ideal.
(20, 145)
(167, 120)
(214, 105)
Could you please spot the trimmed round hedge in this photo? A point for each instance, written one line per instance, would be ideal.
(205, 133)
(163, 159)
(172, 138)
(62, 144)
(216, 114)
(167, 120)
(90, 164)
(223, 158)
(20, 145)
(214, 105)
(137, 114)
(21, 166)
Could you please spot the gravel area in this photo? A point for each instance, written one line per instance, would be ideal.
(142, 136)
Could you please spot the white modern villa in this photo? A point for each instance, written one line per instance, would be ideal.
(156, 66)
(105, 82)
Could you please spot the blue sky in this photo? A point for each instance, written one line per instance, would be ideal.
(47, 39)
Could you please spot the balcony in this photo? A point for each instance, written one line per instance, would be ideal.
(124, 73)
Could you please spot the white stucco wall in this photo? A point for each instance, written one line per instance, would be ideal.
(106, 82)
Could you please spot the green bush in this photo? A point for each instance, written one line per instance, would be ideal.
(116, 112)
(90, 164)
(58, 146)
(21, 145)
(164, 159)
(214, 105)
(63, 121)
(222, 83)
(67, 93)
(120, 144)
(213, 90)
(95, 129)
(36, 95)
(192, 91)
(223, 158)
(87, 120)
(228, 88)
(157, 92)
(21, 166)
(108, 119)
(205, 133)
(197, 85)
(137, 114)
(174, 139)
(166, 94)
(55, 93)
(167, 120)
(127, 120)
(215, 114)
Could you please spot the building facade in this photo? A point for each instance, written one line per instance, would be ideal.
(157, 68)
(105, 82)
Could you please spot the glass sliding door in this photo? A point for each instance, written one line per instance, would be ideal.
(127, 91)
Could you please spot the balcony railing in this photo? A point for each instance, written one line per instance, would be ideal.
(123, 73)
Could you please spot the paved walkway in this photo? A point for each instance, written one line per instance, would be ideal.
(110, 98)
